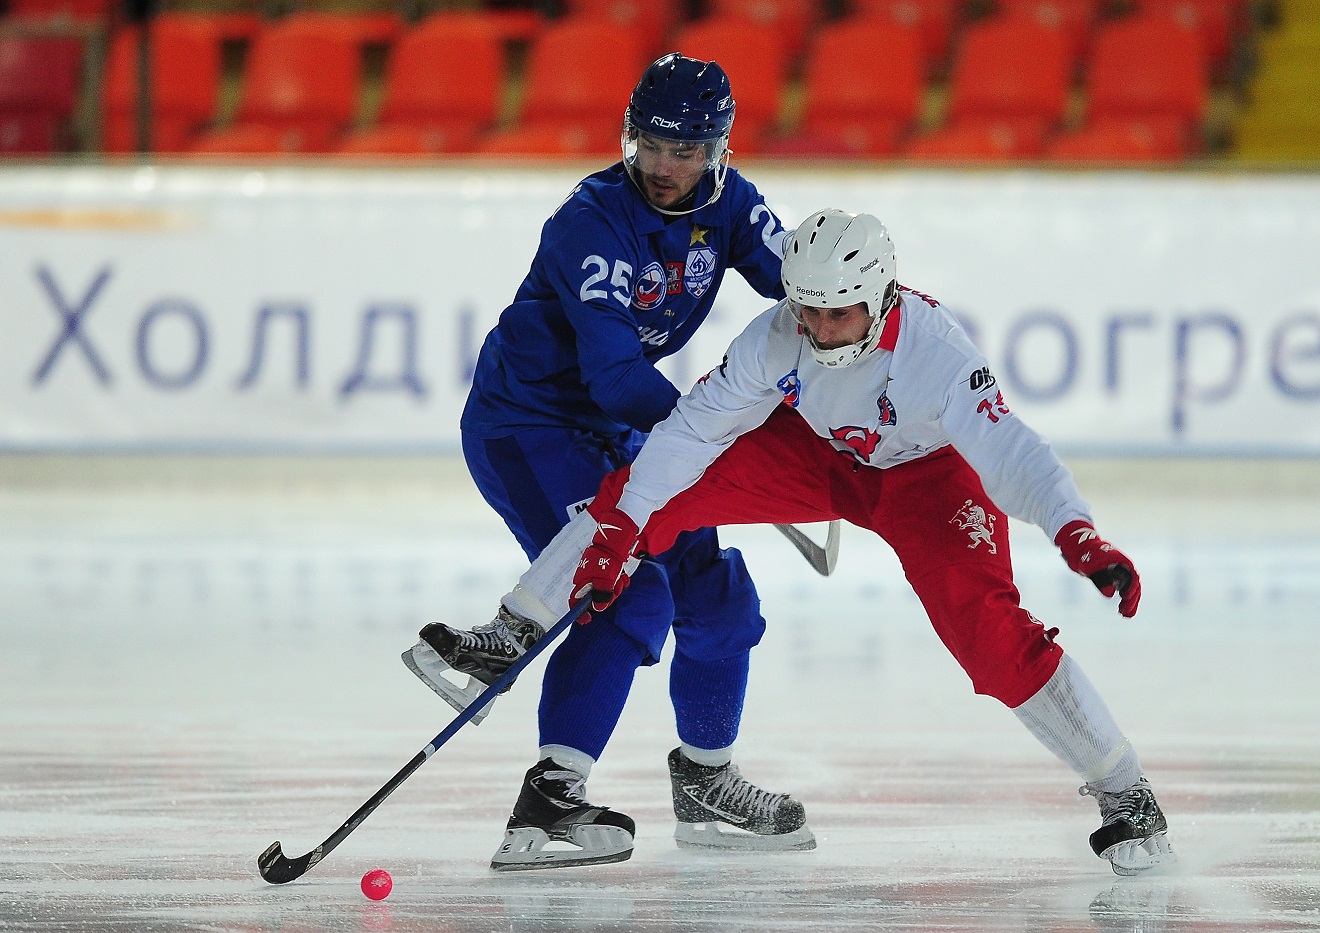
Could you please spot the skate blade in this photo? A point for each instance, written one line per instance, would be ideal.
(423, 661)
(528, 848)
(715, 835)
(1138, 856)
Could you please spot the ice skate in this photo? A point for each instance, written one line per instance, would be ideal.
(717, 808)
(483, 654)
(1133, 834)
(553, 825)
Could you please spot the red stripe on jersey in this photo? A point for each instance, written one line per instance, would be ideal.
(889, 334)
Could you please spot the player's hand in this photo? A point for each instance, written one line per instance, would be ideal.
(606, 563)
(1107, 567)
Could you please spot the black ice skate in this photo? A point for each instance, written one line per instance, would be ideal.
(1133, 834)
(483, 654)
(553, 825)
(717, 808)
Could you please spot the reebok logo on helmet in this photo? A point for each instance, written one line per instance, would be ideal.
(661, 122)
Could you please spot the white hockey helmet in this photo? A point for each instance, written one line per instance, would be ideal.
(835, 259)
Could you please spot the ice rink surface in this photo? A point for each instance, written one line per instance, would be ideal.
(199, 657)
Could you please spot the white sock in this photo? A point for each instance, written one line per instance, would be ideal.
(1070, 718)
(710, 757)
(543, 590)
(570, 758)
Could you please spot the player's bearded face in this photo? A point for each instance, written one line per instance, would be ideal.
(669, 171)
(832, 328)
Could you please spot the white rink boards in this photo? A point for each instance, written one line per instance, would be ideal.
(328, 309)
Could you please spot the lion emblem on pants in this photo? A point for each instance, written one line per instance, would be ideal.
(979, 526)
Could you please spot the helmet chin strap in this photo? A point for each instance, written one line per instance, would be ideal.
(839, 357)
(719, 171)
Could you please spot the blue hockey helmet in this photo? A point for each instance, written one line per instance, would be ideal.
(684, 100)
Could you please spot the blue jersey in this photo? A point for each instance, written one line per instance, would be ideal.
(614, 287)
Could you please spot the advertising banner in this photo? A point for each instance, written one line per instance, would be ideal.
(325, 309)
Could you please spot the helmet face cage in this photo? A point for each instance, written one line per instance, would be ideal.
(682, 100)
(713, 149)
(836, 259)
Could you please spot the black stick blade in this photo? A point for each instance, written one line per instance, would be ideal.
(277, 869)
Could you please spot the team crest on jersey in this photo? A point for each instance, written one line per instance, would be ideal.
(673, 278)
(650, 288)
(861, 441)
(791, 388)
(980, 526)
(888, 417)
(699, 271)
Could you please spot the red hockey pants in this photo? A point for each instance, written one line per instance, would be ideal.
(955, 557)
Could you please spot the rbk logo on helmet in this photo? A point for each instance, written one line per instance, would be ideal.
(661, 122)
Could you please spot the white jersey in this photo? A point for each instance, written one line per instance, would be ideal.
(923, 387)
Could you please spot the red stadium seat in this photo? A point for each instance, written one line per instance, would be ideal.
(794, 20)
(39, 79)
(983, 140)
(1112, 140)
(299, 93)
(185, 81)
(443, 86)
(653, 20)
(379, 28)
(1147, 70)
(852, 112)
(231, 20)
(575, 101)
(934, 19)
(77, 11)
(585, 140)
(1214, 21)
(753, 57)
(1003, 102)
(1074, 18)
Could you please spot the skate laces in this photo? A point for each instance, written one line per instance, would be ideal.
(495, 637)
(492, 638)
(1135, 803)
(565, 784)
(731, 791)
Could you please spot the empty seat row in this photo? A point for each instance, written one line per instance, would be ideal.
(1146, 80)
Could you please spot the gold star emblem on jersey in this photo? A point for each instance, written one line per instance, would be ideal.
(698, 235)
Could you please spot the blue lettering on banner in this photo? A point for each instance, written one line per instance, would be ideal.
(72, 332)
(1192, 361)
(1184, 391)
(1068, 370)
(299, 315)
(407, 379)
(1113, 338)
(191, 371)
(1284, 351)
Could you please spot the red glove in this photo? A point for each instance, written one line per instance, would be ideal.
(1107, 567)
(607, 561)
